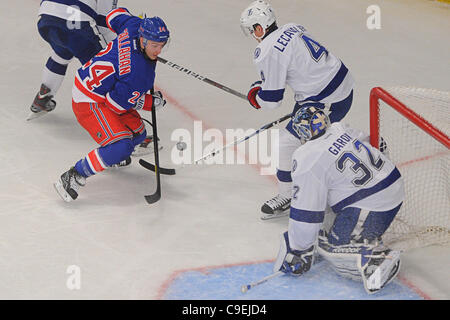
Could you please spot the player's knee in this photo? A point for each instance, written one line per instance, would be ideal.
(116, 152)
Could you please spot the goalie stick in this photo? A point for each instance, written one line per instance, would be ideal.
(246, 287)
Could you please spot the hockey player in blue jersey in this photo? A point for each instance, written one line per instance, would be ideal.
(337, 174)
(109, 90)
(289, 56)
(74, 28)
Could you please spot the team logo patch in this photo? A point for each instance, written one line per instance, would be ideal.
(263, 78)
(257, 52)
(294, 165)
(99, 134)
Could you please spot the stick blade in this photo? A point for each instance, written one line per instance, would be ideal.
(151, 167)
(152, 198)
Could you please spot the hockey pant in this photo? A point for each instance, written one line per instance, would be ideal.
(290, 141)
(80, 41)
(116, 134)
(358, 224)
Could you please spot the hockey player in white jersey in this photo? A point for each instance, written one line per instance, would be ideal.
(337, 173)
(73, 28)
(288, 55)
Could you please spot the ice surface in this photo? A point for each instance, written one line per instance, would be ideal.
(208, 215)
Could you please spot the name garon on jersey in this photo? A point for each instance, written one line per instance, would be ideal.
(124, 49)
(287, 36)
(340, 143)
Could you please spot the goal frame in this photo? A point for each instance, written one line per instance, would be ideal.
(379, 93)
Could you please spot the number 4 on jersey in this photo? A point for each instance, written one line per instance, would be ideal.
(98, 72)
(315, 49)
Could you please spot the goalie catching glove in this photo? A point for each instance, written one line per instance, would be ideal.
(252, 93)
(295, 262)
(149, 101)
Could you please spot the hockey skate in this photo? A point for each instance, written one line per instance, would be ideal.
(145, 148)
(276, 207)
(123, 163)
(42, 104)
(68, 184)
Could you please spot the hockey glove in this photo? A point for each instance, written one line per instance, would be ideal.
(298, 262)
(251, 95)
(383, 147)
(295, 262)
(149, 101)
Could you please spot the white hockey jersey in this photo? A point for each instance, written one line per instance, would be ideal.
(339, 169)
(93, 11)
(289, 55)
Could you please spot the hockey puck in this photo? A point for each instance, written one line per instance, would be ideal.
(181, 145)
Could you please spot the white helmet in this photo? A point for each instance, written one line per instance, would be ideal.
(258, 12)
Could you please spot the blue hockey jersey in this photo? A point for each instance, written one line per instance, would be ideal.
(121, 73)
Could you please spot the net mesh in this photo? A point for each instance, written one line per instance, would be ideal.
(424, 218)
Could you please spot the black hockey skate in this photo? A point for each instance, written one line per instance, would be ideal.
(276, 207)
(145, 148)
(68, 184)
(42, 104)
(123, 163)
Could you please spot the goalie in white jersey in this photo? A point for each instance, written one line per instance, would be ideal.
(337, 173)
(288, 55)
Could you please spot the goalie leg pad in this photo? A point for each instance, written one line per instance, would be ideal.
(343, 259)
(378, 272)
(374, 265)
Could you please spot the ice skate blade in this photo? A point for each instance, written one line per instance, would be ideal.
(62, 192)
(35, 115)
(276, 215)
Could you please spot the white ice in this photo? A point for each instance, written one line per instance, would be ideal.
(208, 215)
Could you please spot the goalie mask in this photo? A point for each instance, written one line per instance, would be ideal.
(258, 12)
(310, 123)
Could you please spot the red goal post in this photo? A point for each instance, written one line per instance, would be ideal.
(415, 124)
(379, 93)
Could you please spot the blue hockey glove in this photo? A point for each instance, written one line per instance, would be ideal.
(298, 262)
(295, 262)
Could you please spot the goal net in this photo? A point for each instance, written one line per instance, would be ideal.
(415, 124)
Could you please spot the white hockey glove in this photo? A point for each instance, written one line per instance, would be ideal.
(293, 262)
(149, 101)
(158, 100)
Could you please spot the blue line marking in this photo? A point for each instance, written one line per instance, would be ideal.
(320, 283)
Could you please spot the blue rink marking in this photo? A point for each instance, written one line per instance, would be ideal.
(321, 282)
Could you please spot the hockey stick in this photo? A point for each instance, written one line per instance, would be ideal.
(265, 127)
(247, 287)
(152, 198)
(202, 78)
(151, 167)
